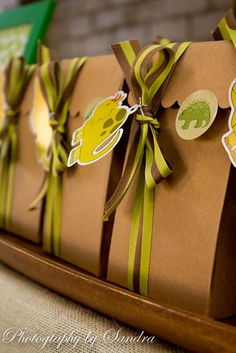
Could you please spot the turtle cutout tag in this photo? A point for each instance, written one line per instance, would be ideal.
(101, 131)
(196, 114)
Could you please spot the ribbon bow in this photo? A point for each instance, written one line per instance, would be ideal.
(17, 76)
(226, 28)
(147, 72)
(57, 91)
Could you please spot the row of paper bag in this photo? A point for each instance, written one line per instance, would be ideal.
(193, 260)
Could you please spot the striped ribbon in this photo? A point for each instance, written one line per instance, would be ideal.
(57, 91)
(226, 28)
(17, 76)
(147, 72)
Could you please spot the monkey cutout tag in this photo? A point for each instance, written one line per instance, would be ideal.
(101, 132)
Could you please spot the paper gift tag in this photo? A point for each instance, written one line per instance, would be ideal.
(229, 138)
(39, 121)
(196, 114)
(101, 131)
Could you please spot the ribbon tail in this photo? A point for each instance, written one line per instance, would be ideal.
(147, 230)
(157, 166)
(52, 215)
(133, 162)
(57, 192)
(11, 171)
(48, 215)
(41, 194)
(141, 230)
(135, 235)
(3, 188)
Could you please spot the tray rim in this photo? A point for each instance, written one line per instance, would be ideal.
(195, 333)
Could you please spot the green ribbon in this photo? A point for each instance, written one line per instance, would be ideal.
(57, 91)
(17, 76)
(145, 78)
(226, 28)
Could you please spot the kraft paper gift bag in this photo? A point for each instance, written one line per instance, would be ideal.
(185, 255)
(84, 237)
(20, 173)
(73, 227)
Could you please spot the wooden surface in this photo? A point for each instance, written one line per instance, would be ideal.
(187, 330)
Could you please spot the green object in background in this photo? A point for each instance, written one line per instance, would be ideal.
(21, 28)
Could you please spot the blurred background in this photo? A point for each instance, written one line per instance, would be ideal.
(87, 27)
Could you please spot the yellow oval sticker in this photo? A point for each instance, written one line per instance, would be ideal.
(196, 114)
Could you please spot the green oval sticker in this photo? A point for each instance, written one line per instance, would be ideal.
(196, 114)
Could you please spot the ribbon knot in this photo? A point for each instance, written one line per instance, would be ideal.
(145, 119)
(12, 113)
(56, 124)
(146, 110)
(53, 121)
(10, 122)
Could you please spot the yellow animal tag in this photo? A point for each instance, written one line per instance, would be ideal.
(101, 132)
(229, 138)
(39, 121)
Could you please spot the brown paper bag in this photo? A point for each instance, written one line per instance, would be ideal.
(27, 178)
(84, 238)
(193, 260)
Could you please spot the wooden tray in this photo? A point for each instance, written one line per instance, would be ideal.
(192, 332)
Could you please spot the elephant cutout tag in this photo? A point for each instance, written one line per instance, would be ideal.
(229, 138)
(196, 114)
(101, 131)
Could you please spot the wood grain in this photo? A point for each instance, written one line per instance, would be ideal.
(185, 329)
